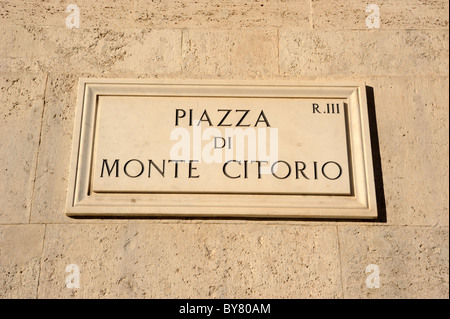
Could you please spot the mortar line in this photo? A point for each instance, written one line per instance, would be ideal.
(132, 14)
(38, 150)
(340, 261)
(146, 221)
(181, 52)
(278, 57)
(311, 24)
(41, 262)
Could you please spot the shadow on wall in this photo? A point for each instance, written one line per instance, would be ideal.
(376, 157)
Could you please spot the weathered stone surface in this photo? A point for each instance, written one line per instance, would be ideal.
(155, 52)
(394, 14)
(20, 256)
(17, 48)
(177, 260)
(32, 13)
(412, 261)
(413, 134)
(113, 14)
(100, 13)
(221, 14)
(353, 53)
(16, 41)
(109, 52)
(53, 165)
(230, 53)
(160, 14)
(21, 103)
(97, 52)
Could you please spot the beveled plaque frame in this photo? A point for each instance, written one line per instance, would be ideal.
(81, 201)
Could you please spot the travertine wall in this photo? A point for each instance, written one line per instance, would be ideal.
(406, 62)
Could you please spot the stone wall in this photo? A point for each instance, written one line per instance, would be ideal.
(405, 61)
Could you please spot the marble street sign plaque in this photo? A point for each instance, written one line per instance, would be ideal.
(220, 148)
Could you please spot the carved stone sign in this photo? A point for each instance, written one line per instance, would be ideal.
(215, 148)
